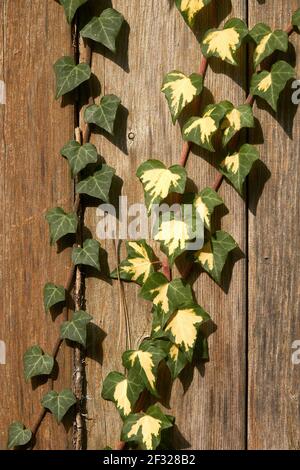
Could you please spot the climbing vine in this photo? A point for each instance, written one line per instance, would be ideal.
(178, 320)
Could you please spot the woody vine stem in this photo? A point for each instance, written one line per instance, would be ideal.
(178, 327)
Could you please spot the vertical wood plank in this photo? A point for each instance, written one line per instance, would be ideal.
(274, 396)
(34, 178)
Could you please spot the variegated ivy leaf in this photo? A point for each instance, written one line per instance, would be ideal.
(105, 28)
(75, 329)
(69, 75)
(60, 223)
(176, 361)
(296, 19)
(18, 435)
(206, 202)
(200, 130)
(156, 289)
(122, 391)
(235, 120)
(53, 295)
(145, 428)
(180, 90)
(104, 114)
(138, 265)
(190, 9)
(36, 362)
(267, 42)
(88, 254)
(145, 361)
(159, 181)
(213, 255)
(70, 7)
(224, 43)
(79, 156)
(269, 85)
(237, 166)
(98, 185)
(58, 402)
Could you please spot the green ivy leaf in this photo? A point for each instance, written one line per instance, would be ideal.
(146, 428)
(79, 156)
(138, 265)
(144, 361)
(53, 295)
(122, 391)
(237, 166)
(18, 435)
(200, 130)
(69, 75)
(159, 181)
(269, 85)
(58, 402)
(296, 19)
(181, 90)
(190, 9)
(37, 363)
(235, 120)
(98, 185)
(88, 255)
(206, 202)
(224, 43)
(70, 7)
(104, 114)
(180, 294)
(267, 42)
(105, 28)
(60, 223)
(213, 255)
(75, 329)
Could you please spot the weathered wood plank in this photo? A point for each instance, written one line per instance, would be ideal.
(33, 178)
(274, 294)
(211, 414)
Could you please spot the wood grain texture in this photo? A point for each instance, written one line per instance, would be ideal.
(274, 395)
(34, 178)
(209, 405)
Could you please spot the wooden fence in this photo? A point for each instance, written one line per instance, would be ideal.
(248, 395)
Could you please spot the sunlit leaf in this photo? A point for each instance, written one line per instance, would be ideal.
(105, 28)
(79, 156)
(88, 254)
(156, 289)
(235, 120)
(53, 295)
(104, 114)
(206, 202)
(70, 7)
(37, 363)
(98, 185)
(18, 435)
(69, 75)
(267, 42)
(76, 328)
(60, 223)
(190, 9)
(58, 402)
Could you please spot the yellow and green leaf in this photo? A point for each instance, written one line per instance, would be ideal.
(139, 264)
(267, 42)
(224, 43)
(269, 85)
(145, 428)
(206, 202)
(235, 120)
(213, 255)
(155, 289)
(159, 181)
(180, 91)
(237, 166)
(190, 9)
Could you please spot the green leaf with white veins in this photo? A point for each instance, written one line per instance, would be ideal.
(69, 75)
(213, 255)
(105, 28)
(224, 43)
(70, 7)
(18, 435)
(145, 428)
(269, 85)
(190, 9)
(267, 42)
(159, 181)
(235, 120)
(98, 185)
(75, 329)
(37, 363)
(123, 391)
(200, 130)
(180, 90)
(60, 223)
(58, 403)
(237, 166)
(104, 114)
(53, 295)
(88, 255)
(79, 156)
(206, 202)
(296, 19)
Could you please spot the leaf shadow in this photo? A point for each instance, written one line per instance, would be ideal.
(95, 338)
